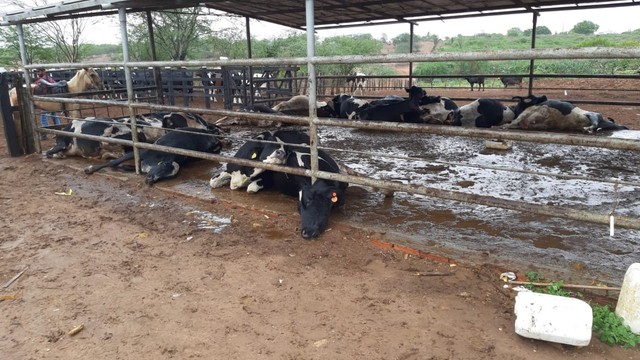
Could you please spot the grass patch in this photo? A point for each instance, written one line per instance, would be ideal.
(609, 327)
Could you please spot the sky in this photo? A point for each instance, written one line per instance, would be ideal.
(613, 20)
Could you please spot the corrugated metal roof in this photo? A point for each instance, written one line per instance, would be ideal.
(328, 13)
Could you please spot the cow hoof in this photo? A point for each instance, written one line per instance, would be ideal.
(217, 183)
(253, 188)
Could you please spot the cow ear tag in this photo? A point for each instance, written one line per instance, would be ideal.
(334, 197)
(254, 155)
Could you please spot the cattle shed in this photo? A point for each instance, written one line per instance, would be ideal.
(328, 13)
(313, 15)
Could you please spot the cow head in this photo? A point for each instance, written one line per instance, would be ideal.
(160, 171)
(416, 93)
(315, 204)
(433, 111)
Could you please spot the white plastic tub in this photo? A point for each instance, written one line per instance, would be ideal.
(553, 318)
(628, 306)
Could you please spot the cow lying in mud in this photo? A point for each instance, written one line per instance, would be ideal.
(160, 165)
(289, 147)
(485, 113)
(395, 109)
(150, 127)
(73, 146)
(555, 115)
(239, 176)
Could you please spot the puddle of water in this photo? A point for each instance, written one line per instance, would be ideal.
(209, 221)
(466, 230)
(547, 242)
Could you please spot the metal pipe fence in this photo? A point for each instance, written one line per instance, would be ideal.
(569, 139)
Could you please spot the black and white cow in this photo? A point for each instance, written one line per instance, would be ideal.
(476, 80)
(151, 126)
(407, 110)
(154, 125)
(160, 165)
(555, 115)
(357, 82)
(437, 110)
(290, 148)
(239, 176)
(73, 146)
(511, 80)
(347, 106)
(315, 201)
(485, 113)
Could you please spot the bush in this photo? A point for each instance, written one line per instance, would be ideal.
(585, 27)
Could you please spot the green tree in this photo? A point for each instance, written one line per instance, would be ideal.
(402, 38)
(514, 32)
(35, 46)
(62, 38)
(543, 30)
(585, 27)
(363, 44)
(176, 33)
(540, 30)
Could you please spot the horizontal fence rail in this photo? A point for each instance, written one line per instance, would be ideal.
(535, 54)
(538, 137)
(553, 211)
(312, 122)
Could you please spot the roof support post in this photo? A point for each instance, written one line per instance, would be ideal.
(27, 81)
(250, 56)
(533, 46)
(154, 57)
(313, 111)
(122, 15)
(410, 52)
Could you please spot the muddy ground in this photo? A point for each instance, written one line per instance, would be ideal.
(155, 274)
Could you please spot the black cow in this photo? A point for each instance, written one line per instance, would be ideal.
(175, 120)
(315, 200)
(555, 115)
(511, 80)
(476, 80)
(160, 165)
(239, 176)
(73, 146)
(486, 113)
(407, 110)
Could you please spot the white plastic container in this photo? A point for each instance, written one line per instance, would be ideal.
(553, 318)
(628, 306)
